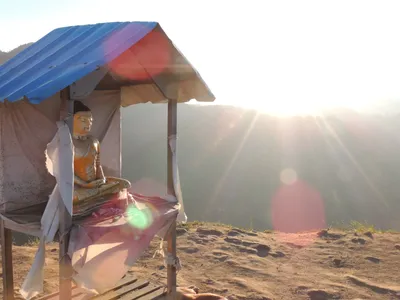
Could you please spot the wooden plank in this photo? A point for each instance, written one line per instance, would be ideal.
(124, 281)
(128, 289)
(117, 293)
(155, 294)
(75, 293)
(139, 294)
(65, 220)
(7, 263)
(171, 239)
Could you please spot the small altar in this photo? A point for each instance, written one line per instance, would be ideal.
(99, 68)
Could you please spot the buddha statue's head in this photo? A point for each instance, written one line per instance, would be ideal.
(83, 120)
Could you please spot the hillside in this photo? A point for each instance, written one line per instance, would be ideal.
(254, 170)
(241, 264)
(4, 56)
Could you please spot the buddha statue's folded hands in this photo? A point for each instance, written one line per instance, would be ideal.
(89, 180)
(89, 185)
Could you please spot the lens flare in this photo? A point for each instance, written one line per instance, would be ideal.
(288, 176)
(297, 207)
(139, 218)
(145, 60)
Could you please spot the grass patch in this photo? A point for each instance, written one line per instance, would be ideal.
(360, 227)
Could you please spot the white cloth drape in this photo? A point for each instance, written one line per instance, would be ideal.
(59, 162)
(177, 184)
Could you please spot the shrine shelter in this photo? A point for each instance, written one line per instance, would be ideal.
(106, 67)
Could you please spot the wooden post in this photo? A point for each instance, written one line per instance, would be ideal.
(7, 263)
(65, 221)
(171, 269)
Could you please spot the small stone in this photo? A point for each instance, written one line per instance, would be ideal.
(249, 244)
(373, 259)
(181, 231)
(233, 240)
(233, 233)
(338, 262)
(358, 241)
(278, 254)
(323, 233)
(247, 250)
(209, 281)
(249, 233)
(369, 234)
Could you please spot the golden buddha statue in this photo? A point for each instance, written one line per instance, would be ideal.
(89, 180)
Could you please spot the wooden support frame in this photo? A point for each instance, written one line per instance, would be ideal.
(7, 263)
(65, 285)
(171, 240)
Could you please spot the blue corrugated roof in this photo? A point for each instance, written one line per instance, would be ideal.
(64, 56)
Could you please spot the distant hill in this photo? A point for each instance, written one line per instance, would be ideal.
(4, 56)
(248, 169)
(232, 165)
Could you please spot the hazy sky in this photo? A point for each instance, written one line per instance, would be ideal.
(281, 56)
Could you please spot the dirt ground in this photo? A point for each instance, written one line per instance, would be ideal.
(251, 265)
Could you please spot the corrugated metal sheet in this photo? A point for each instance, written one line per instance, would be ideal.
(64, 56)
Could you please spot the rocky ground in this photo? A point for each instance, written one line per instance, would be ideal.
(241, 264)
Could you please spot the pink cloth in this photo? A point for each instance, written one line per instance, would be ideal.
(107, 244)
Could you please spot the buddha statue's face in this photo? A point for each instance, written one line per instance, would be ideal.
(83, 121)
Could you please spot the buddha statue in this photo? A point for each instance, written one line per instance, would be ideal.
(89, 180)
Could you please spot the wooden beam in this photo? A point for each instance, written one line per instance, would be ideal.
(7, 262)
(65, 285)
(171, 240)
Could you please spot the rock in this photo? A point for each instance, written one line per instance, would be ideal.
(278, 254)
(369, 234)
(359, 241)
(248, 244)
(202, 239)
(223, 258)
(240, 231)
(189, 250)
(321, 295)
(181, 231)
(301, 289)
(340, 242)
(206, 231)
(325, 234)
(262, 250)
(397, 246)
(233, 240)
(373, 259)
(209, 281)
(220, 291)
(247, 250)
(233, 233)
(338, 263)
(294, 245)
